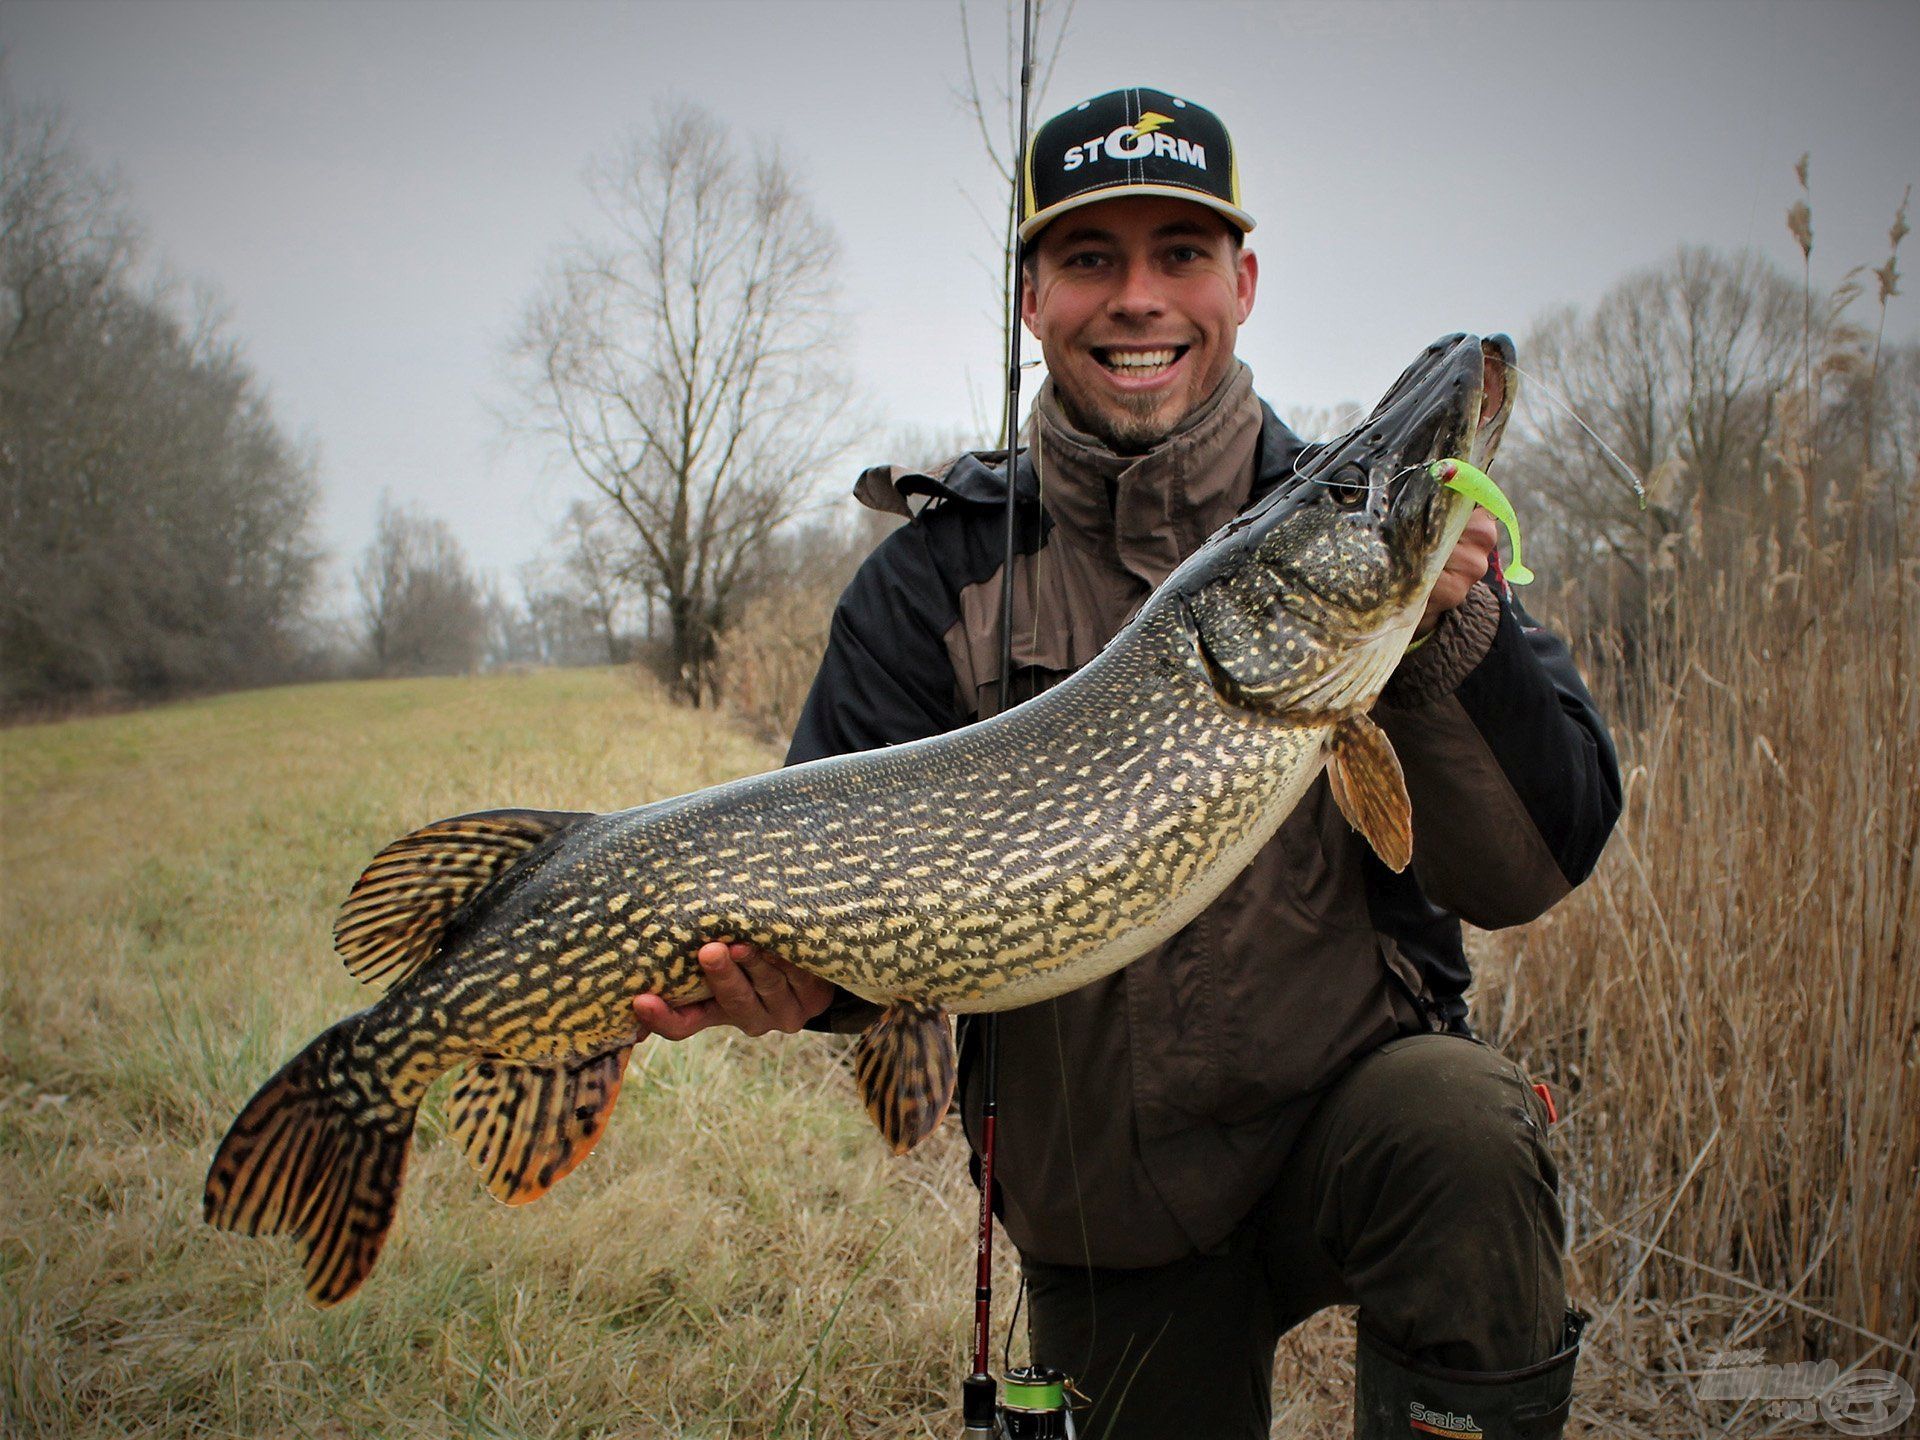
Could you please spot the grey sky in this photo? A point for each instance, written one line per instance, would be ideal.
(374, 188)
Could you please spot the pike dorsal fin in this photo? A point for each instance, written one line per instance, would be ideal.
(1370, 790)
(398, 909)
(904, 1065)
(525, 1126)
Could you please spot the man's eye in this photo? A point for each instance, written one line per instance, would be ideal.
(1084, 260)
(1187, 254)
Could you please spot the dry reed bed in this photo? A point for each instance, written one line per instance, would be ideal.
(1731, 1008)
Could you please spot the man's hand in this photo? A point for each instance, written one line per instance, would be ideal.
(1467, 564)
(753, 990)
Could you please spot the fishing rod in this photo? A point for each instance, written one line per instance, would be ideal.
(1035, 1404)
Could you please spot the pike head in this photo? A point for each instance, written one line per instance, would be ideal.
(1303, 606)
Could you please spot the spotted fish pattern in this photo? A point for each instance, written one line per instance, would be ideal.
(984, 869)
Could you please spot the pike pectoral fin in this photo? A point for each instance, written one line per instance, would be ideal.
(904, 1066)
(1369, 788)
(399, 907)
(525, 1126)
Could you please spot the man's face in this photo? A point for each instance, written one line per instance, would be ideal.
(1136, 303)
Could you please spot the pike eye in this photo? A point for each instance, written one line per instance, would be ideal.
(1347, 487)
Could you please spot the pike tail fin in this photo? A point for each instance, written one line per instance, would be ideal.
(315, 1156)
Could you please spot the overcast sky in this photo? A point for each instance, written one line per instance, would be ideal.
(374, 188)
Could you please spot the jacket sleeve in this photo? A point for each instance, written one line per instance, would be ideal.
(885, 677)
(1513, 778)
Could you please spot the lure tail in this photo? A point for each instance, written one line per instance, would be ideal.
(316, 1156)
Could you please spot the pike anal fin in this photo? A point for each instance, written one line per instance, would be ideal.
(1370, 790)
(524, 1127)
(904, 1066)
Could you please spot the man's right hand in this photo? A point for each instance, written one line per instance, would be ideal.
(753, 990)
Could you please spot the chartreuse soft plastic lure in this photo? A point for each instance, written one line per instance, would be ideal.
(1477, 487)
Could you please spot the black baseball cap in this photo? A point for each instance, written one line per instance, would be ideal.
(1130, 142)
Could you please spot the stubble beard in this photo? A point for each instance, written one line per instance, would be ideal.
(1131, 425)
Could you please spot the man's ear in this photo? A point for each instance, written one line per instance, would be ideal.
(1029, 294)
(1248, 281)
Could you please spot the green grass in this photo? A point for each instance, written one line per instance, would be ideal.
(170, 881)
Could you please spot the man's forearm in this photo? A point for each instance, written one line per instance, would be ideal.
(1502, 746)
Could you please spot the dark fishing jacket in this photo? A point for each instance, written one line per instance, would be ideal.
(1142, 1116)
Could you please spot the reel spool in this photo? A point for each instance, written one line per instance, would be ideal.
(1034, 1406)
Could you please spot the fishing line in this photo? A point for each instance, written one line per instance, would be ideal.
(1338, 425)
(1632, 475)
(1079, 1195)
(1013, 1321)
(1332, 432)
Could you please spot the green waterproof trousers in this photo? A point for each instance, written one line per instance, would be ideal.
(1421, 1190)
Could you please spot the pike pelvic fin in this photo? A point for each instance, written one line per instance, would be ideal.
(317, 1159)
(404, 900)
(904, 1066)
(525, 1127)
(1369, 788)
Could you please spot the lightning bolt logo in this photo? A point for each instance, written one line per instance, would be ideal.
(1150, 122)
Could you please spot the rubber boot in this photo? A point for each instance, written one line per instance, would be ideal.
(1400, 1398)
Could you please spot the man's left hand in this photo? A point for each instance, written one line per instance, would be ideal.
(754, 991)
(1468, 563)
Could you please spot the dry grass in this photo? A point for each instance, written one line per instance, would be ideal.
(767, 661)
(1729, 1010)
(169, 881)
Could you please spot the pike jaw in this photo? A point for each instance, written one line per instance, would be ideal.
(1305, 604)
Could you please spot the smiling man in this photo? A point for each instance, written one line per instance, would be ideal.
(1282, 1108)
(1137, 303)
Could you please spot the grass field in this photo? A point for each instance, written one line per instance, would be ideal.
(1728, 1011)
(170, 878)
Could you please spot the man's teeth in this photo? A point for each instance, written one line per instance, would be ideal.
(1139, 361)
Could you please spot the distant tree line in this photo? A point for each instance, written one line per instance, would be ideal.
(157, 531)
(422, 608)
(154, 518)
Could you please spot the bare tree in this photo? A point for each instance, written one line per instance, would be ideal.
(688, 366)
(422, 609)
(1679, 372)
(599, 573)
(578, 596)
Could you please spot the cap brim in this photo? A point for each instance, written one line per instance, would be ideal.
(1039, 221)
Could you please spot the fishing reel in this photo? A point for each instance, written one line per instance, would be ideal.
(1034, 1406)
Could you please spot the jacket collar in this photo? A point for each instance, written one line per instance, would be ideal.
(1145, 513)
(979, 477)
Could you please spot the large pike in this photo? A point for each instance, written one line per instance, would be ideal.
(980, 870)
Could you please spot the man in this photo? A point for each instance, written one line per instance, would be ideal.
(1280, 1109)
